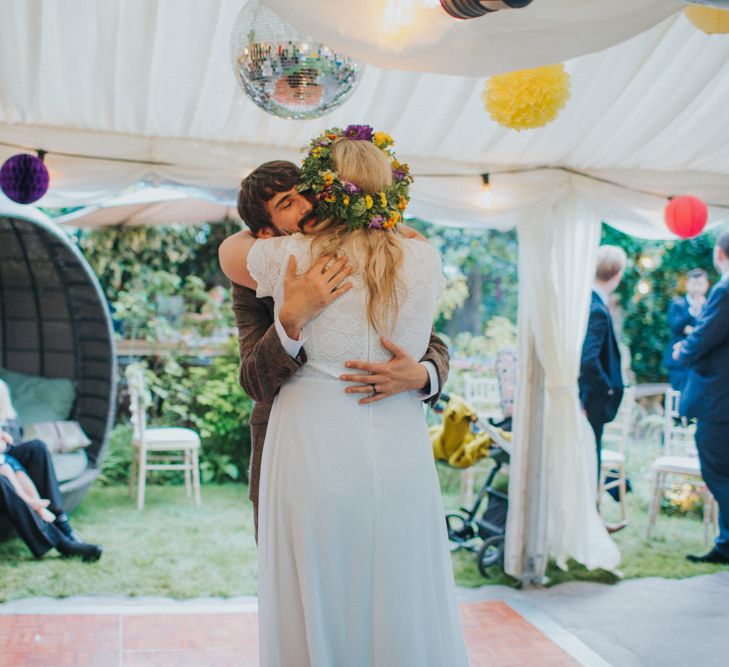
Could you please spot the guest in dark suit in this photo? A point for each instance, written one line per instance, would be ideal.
(683, 314)
(601, 378)
(39, 535)
(34, 460)
(705, 395)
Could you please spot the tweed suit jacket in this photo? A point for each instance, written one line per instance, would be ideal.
(265, 366)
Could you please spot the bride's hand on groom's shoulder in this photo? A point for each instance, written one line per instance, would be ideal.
(401, 373)
(306, 295)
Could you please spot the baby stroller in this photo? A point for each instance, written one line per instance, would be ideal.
(462, 440)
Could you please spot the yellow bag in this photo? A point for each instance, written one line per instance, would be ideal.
(453, 441)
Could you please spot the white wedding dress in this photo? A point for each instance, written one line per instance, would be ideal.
(353, 567)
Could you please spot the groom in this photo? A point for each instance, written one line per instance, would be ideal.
(272, 350)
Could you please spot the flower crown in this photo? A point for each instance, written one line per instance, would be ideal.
(337, 198)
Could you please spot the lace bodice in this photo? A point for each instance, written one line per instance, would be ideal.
(341, 332)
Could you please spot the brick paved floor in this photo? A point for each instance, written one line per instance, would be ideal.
(497, 636)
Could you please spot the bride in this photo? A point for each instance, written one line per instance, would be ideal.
(354, 567)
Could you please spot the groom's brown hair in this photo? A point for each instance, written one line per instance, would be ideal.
(259, 187)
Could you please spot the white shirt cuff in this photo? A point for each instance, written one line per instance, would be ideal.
(291, 346)
(433, 375)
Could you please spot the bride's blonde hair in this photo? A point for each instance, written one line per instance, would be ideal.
(376, 253)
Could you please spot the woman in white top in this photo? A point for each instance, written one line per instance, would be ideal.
(354, 566)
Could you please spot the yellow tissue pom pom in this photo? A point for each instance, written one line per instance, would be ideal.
(711, 20)
(527, 98)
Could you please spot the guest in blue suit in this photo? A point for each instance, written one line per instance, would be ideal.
(705, 395)
(601, 377)
(683, 314)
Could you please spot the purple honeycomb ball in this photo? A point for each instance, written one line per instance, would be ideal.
(24, 178)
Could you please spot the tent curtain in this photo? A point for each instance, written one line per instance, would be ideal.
(558, 241)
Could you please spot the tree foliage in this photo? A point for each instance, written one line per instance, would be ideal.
(654, 276)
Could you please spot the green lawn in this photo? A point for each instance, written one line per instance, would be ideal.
(169, 549)
(172, 549)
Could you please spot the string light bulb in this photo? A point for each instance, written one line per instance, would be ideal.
(486, 197)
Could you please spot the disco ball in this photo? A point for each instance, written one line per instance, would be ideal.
(284, 72)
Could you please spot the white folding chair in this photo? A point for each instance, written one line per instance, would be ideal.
(165, 448)
(484, 396)
(680, 459)
(614, 445)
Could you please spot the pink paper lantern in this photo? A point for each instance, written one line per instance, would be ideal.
(686, 216)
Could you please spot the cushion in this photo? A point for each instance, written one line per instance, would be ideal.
(38, 399)
(60, 436)
(70, 466)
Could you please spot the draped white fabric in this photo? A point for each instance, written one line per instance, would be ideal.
(150, 84)
(555, 292)
(150, 206)
(418, 35)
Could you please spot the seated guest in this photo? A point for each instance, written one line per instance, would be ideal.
(11, 469)
(682, 316)
(40, 533)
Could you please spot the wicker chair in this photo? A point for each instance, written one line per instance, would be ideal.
(55, 322)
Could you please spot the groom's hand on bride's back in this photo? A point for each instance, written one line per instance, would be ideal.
(401, 373)
(305, 296)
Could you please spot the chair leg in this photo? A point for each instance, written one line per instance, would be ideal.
(134, 471)
(655, 503)
(196, 476)
(188, 473)
(142, 475)
(708, 515)
(714, 514)
(467, 477)
(623, 492)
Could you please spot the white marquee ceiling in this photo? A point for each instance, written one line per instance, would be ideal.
(152, 82)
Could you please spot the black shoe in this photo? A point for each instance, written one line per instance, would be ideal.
(714, 556)
(64, 526)
(89, 553)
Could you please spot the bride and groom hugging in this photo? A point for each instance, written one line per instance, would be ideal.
(353, 560)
